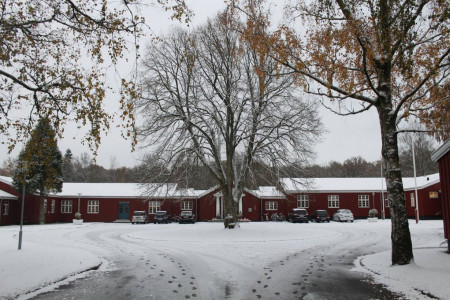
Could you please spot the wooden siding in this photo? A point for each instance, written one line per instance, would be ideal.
(444, 172)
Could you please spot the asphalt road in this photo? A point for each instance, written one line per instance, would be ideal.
(170, 270)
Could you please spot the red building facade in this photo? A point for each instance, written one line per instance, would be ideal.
(111, 202)
(442, 157)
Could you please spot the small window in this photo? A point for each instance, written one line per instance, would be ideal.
(53, 206)
(303, 201)
(66, 206)
(93, 207)
(413, 200)
(154, 206)
(363, 201)
(333, 201)
(271, 205)
(6, 207)
(186, 205)
(45, 205)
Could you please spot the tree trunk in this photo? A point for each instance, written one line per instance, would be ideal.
(402, 253)
(41, 208)
(231, 207)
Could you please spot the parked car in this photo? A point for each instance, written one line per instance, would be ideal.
(298, 215)
(162, 216)
(140, 216)
(320, 215)
(343, 215)
(187, 217)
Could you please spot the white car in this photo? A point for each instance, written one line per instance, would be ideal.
(343, 215)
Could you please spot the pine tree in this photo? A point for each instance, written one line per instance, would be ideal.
(42, 163)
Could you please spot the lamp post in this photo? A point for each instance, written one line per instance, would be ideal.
(415, 183)
(79, 195)
(24, 169)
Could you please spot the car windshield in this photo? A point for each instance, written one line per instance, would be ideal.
(345, 211)
(186, 213)
(299, 211)
(160, 213)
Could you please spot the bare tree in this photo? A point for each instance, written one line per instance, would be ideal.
(210, 99)
(392, 56)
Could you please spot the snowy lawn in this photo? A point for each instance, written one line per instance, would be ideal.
(55, 253)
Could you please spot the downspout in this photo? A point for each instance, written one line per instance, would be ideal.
(1, 205)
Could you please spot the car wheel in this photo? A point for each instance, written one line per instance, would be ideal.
(132, 223)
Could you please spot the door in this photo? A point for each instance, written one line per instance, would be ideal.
(124, 211)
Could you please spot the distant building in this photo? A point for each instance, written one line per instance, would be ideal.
(110, 202)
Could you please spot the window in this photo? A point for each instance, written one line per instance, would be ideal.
(45, 205)
(154, 206)
(413, 200)
(271, 205)
(303, 201)
(53, 206)
(6, 208)
(363, 201)
(66, 206)
(93, 207)
(333, 201)
(387, 202)
(186, 205)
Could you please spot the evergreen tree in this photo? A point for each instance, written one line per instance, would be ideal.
(43, 164)
(67, 167)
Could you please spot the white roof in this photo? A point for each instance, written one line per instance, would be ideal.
(352, 184)
(125, 190)
(267, 192)
(6, 196)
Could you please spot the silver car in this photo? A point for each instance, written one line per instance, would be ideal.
(343, 215)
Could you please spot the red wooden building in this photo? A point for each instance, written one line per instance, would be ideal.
(111, 202)
(442, 157)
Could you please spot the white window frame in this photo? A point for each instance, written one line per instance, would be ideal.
(5, 207)
(413, 200)
(45, 205)
(333, 201)
(186, 205)
(271, 205)
(52, 207)
(303, 201)
(66, 206)
(93, 206)
(154, 206)
(363, 201)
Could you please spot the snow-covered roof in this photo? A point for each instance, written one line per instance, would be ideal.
(352, 184)
(7, 196)
(267, 192)
(441, 151)
(126, 190)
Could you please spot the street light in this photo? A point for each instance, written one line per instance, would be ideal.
(79, 195)
(24, 170)
(415, 184)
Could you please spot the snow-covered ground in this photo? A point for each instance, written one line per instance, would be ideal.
(54, 254)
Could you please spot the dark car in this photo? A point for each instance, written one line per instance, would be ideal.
(298, 215)
(187, 217)
(320, 216)
(162, 216)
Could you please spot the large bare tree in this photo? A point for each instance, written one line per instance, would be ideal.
(392, 56)
(210, 98)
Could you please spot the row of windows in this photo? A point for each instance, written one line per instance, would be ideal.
(333, 201)
(93, 206)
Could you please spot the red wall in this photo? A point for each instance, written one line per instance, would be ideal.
(444, 173)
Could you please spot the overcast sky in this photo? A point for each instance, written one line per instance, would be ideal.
(345, 137)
